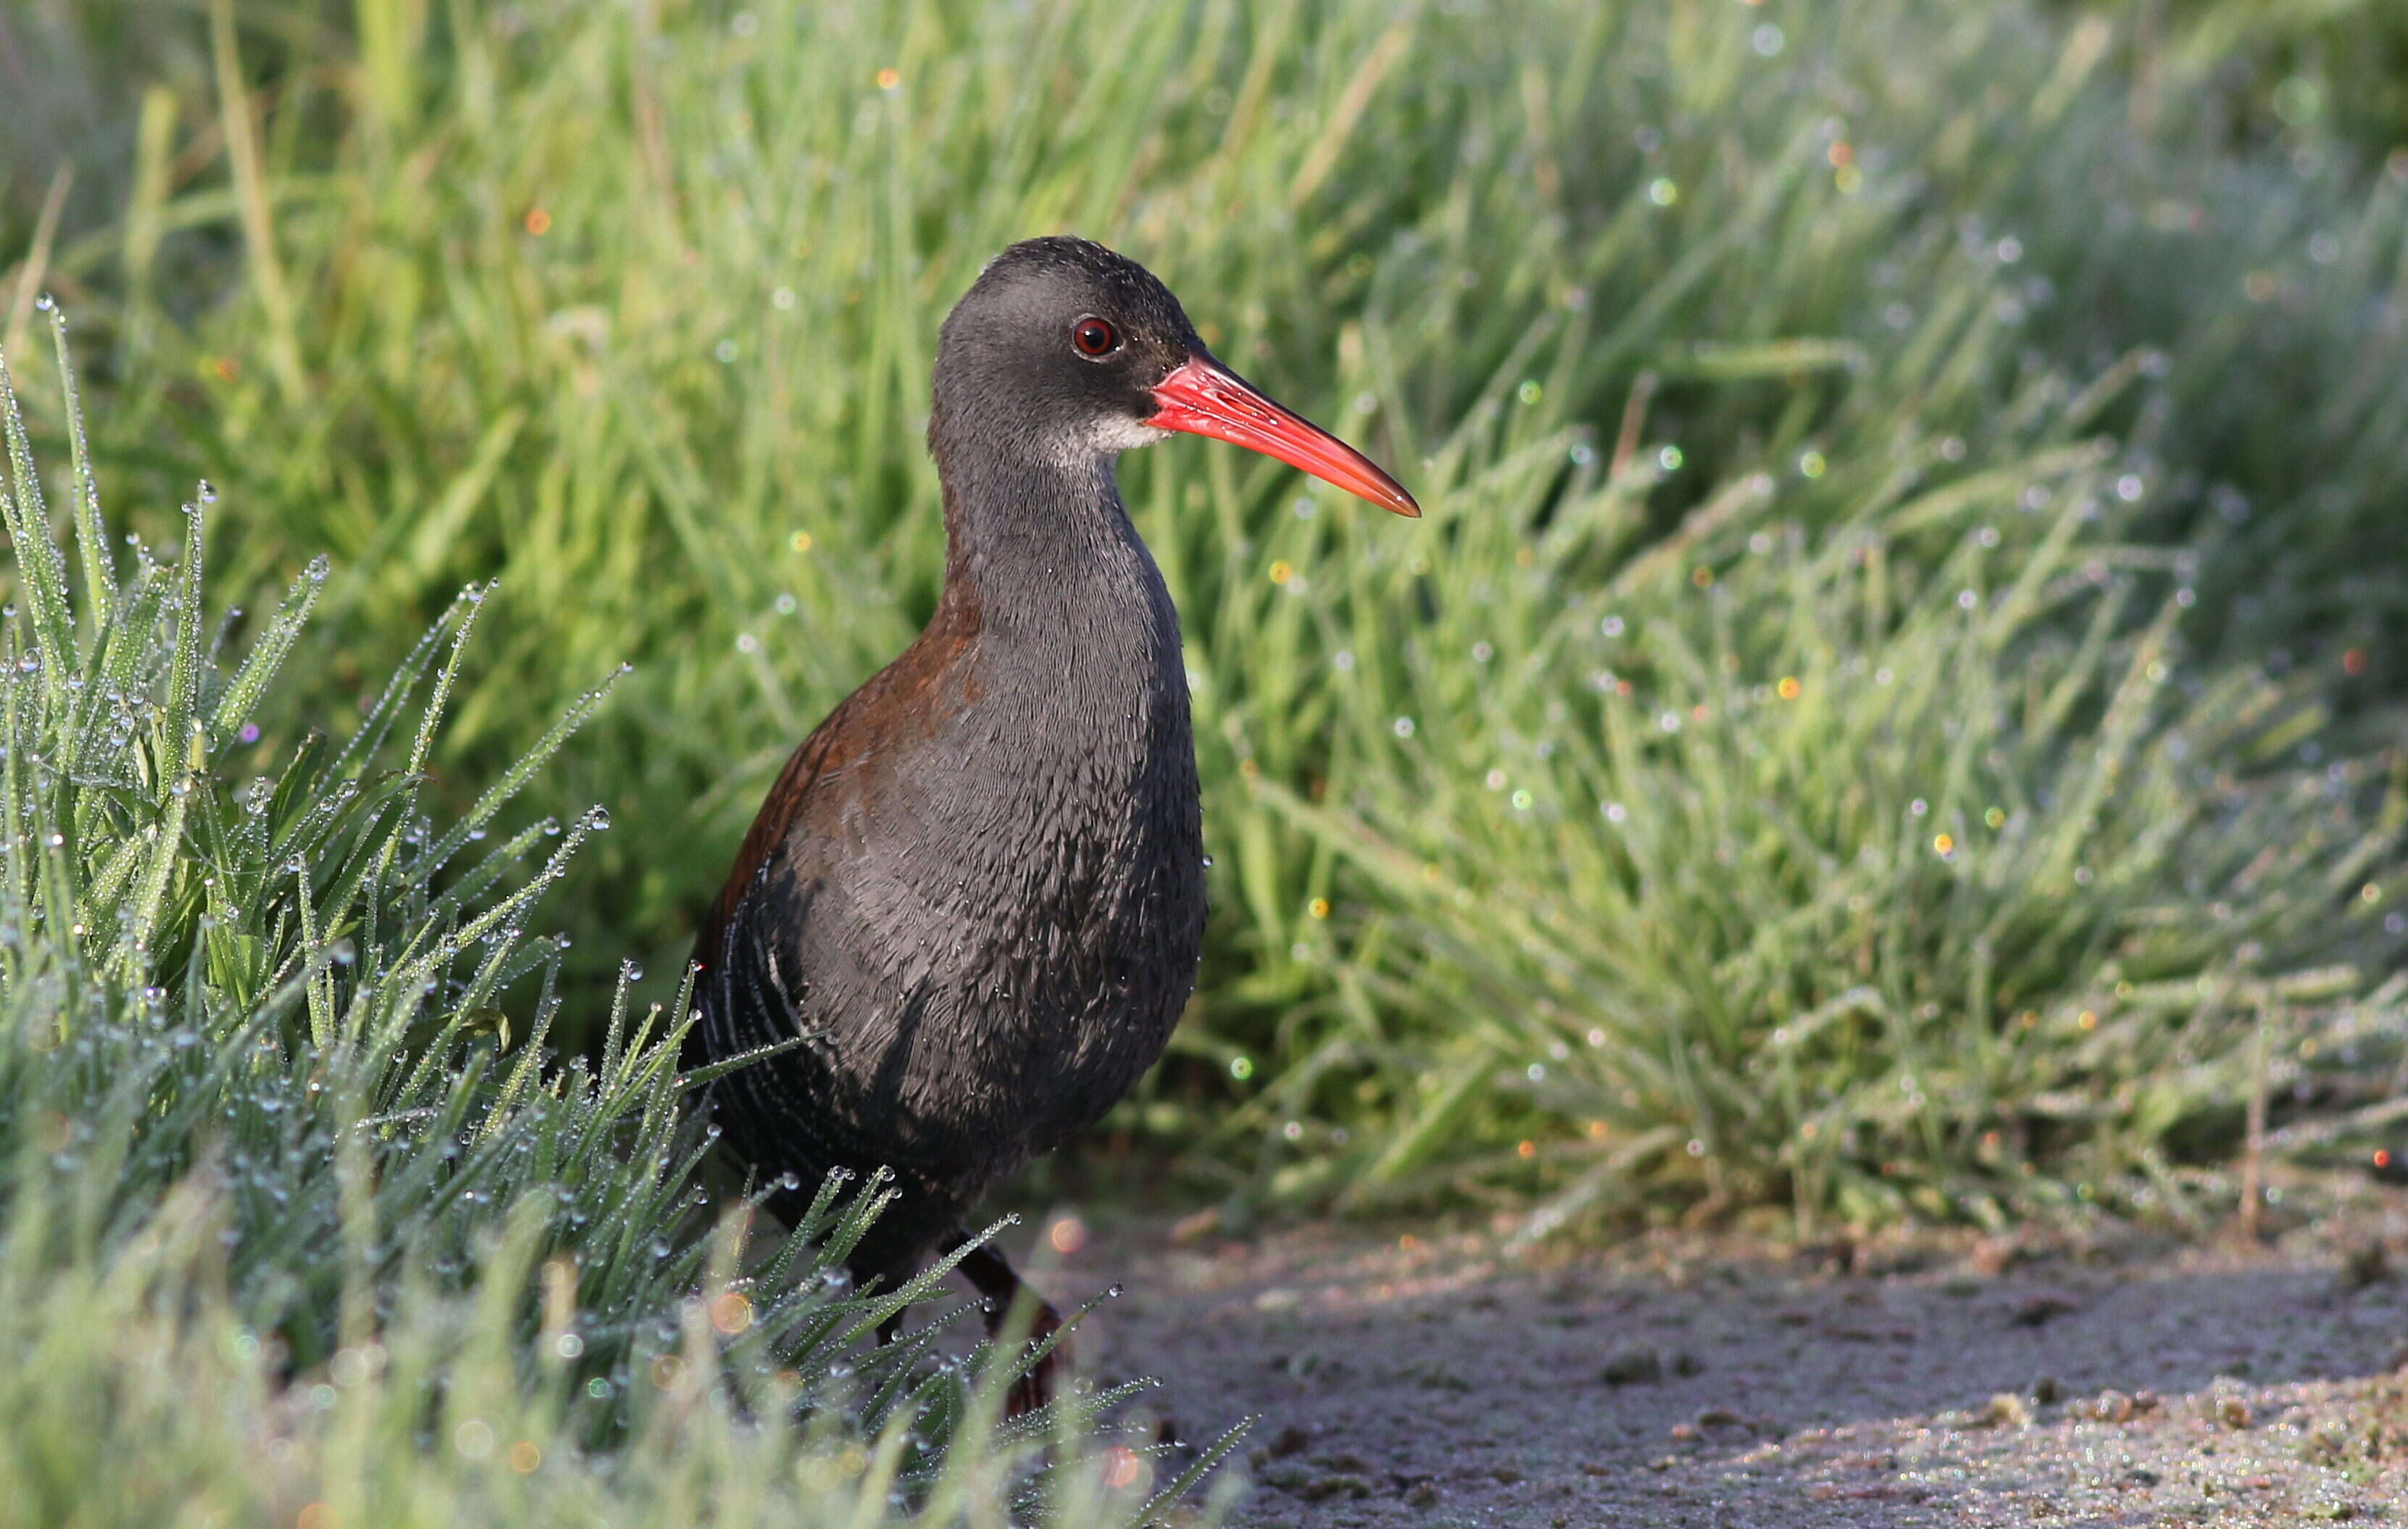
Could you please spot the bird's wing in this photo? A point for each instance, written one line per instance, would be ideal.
(730, 967)
(890, 712)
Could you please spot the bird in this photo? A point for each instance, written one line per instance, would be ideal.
(972, 904)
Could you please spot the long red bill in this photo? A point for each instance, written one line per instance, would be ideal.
(1204, 398)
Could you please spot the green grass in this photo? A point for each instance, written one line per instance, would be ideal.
(631, 307)
(297, 1208)
(1874, 868)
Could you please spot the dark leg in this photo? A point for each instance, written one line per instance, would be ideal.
(985, 1268)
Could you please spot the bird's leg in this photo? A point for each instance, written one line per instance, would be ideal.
(985, 1268)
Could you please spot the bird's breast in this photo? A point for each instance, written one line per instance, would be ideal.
(989, 928)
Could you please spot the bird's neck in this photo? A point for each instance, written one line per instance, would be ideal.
(1042, 546)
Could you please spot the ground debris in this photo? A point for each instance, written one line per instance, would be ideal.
(2004, 1409)
(2040, 1308)
(1632, 1367)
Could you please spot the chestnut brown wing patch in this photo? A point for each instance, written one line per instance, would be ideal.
(895, 708)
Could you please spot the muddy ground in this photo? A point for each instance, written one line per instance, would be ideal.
(2111, 1378)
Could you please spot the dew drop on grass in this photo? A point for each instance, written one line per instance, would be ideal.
(630, 971)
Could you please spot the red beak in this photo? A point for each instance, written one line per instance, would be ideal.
(1205, 399)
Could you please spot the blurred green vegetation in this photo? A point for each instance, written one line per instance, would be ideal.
(1843, 426)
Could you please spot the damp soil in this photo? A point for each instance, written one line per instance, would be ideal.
(2113, 1376)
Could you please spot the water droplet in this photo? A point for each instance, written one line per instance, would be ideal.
(630, 971)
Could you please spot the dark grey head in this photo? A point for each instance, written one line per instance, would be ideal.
(1064, 351)
(1059, 346)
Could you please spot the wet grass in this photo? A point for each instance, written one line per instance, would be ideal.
(1880, 717)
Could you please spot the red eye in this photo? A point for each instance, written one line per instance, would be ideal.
(1095, 337)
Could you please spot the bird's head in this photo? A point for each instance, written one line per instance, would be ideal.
(1064, 348)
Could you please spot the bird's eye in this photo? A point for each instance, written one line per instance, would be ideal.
(1095, 337)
